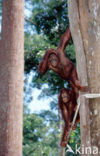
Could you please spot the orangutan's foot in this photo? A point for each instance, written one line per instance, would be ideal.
(74, 126)
(80, 87)
(63, 144)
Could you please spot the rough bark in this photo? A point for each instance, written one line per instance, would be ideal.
(85, 27)
(11, 77)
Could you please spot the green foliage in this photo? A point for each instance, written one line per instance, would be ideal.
(51, 19)
(75, 140)
(40, 138)
(34, 47)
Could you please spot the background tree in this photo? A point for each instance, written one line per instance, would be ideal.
(11, 77)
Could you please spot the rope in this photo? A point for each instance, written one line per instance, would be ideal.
(88, 96)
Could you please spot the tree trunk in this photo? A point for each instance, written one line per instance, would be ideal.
(11, 77)
(85, 27)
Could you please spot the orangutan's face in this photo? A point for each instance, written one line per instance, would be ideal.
(53, 60)
(65, 97)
